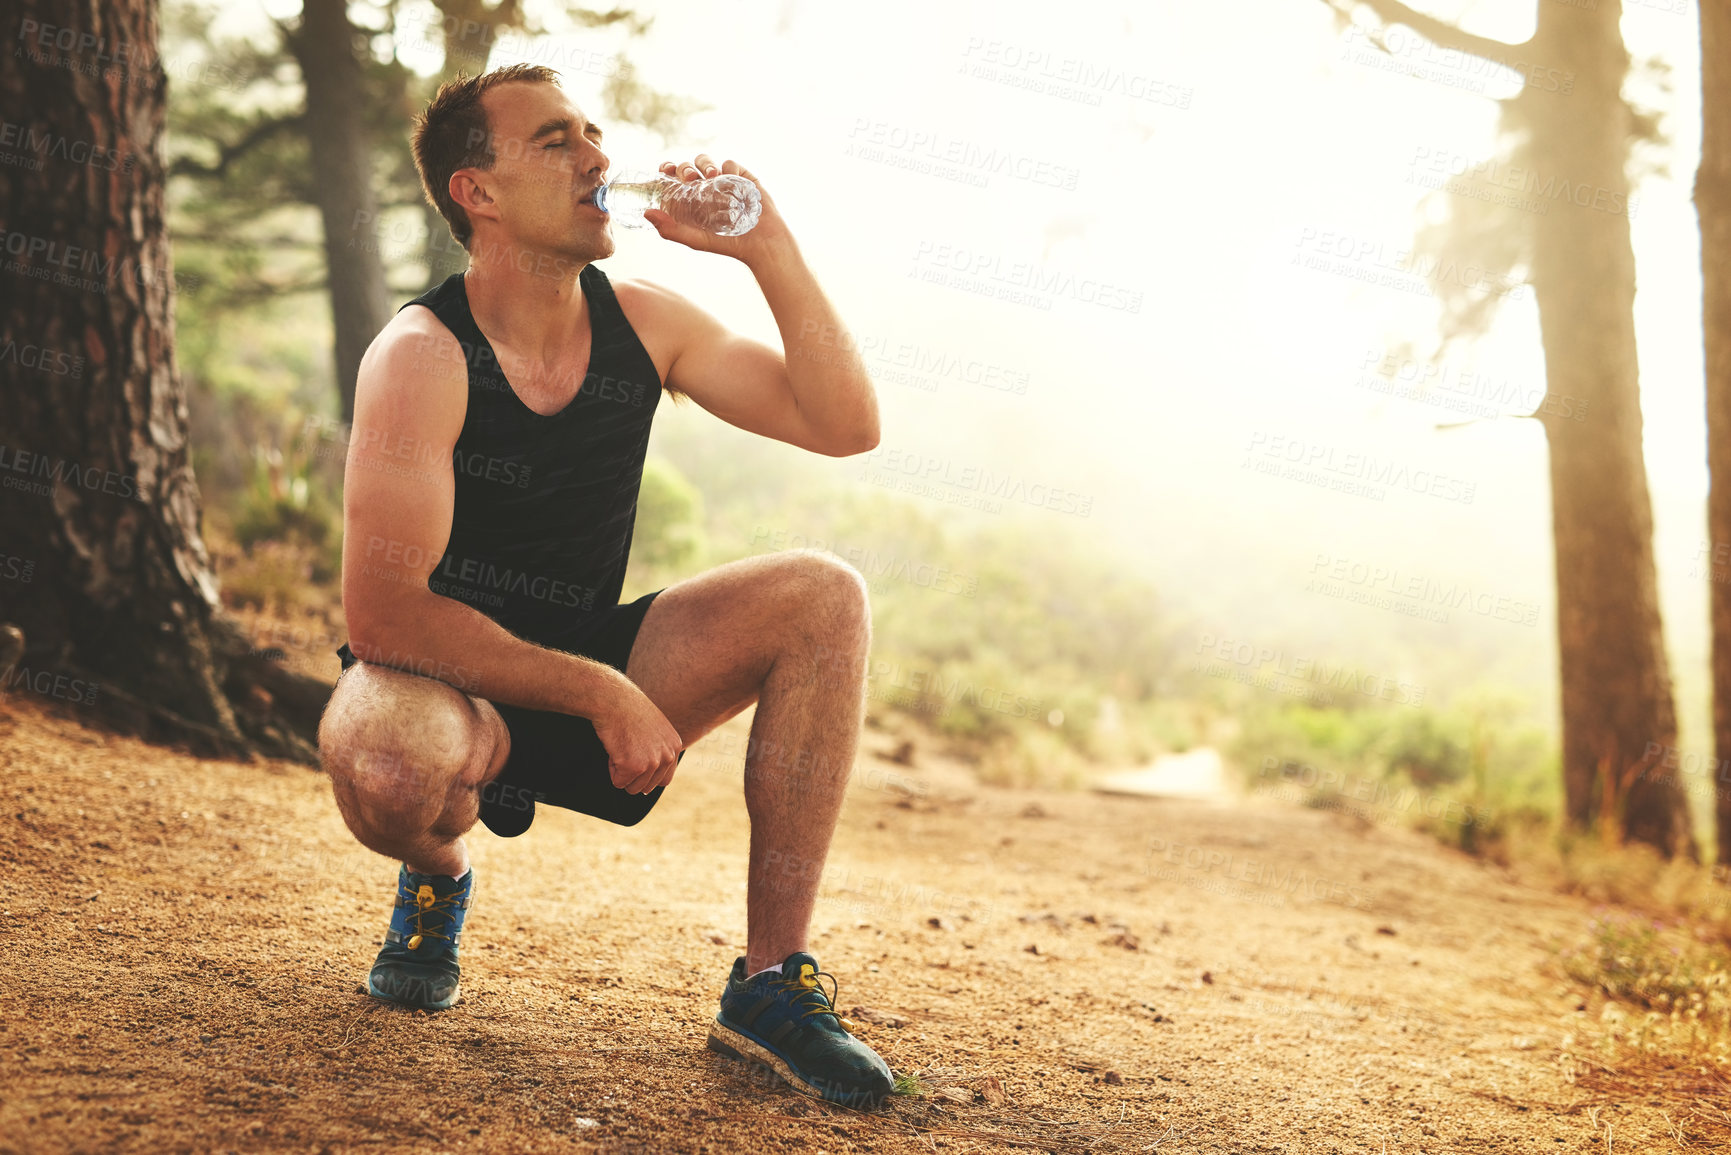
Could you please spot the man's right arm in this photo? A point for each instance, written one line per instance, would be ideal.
(399, 492)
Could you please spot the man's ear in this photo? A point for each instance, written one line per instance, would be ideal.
(471, 195)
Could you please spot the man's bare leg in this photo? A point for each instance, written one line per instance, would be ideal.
(790, 631)
(407, 757)
(804, 737)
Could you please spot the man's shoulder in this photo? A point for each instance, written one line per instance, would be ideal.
(665, 321)
(415, 340)
(669, 317)
(415, 324)
(639, 295)
(653, 303)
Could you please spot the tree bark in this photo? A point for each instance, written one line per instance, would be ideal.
(1713, 204)
(1618, 713)
(103, 565)
(342, 163)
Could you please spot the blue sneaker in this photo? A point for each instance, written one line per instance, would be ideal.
(786, 1023)
(418, 965)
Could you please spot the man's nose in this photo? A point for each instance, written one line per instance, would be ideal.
(599, 161)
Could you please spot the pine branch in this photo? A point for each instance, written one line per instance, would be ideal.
(1438, 32)
(634, 24)
(238, 296)
(229, 153)
(226, 240)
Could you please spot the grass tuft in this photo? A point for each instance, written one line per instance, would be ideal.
(910, 1086)
(1678, 987)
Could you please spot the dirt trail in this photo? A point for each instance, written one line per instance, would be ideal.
(183, 943)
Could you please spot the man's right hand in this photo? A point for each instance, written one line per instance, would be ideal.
(642, 745)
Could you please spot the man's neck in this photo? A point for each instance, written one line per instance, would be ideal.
(531, 302)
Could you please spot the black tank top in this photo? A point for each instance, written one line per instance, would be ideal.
(545, 505)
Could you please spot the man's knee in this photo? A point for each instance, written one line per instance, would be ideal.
(395, 757)
(830, 593)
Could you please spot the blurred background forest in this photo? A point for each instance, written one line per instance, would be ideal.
(1130, 281)
(1040, 649)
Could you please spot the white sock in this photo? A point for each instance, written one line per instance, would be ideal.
(766, 970)
(452, 877)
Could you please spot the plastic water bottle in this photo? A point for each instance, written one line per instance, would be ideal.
(725, 205)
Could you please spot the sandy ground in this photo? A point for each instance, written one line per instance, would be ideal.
(183, 944)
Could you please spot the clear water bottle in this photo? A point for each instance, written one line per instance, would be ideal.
(725, 205)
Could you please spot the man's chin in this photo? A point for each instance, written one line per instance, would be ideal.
(557, 256)
(593, 245)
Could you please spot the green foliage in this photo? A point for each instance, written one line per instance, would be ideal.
(1466, 772)
(240, 193)
(1426, 751)
(1029, 647)
(1033, 756)
(629, 99)
(910, 1085)
(288, 502)
(284, 509)
(242, 200)
(275, 578)
(669, 532)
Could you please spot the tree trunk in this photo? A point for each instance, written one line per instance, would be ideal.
(101, 561)
(325, 46)
(1618, 715)
(1713, 203)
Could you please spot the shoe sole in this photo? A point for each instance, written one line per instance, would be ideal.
(445, 1004)
(724, 1040)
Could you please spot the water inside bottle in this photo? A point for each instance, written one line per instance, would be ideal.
(725, 205)
(627, 199)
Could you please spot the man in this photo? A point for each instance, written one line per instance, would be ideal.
(491, 488)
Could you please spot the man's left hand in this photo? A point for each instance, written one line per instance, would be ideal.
(766, 237)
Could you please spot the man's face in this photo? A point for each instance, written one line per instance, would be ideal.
(547, 164)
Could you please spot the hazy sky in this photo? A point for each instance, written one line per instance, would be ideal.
(1188, 160)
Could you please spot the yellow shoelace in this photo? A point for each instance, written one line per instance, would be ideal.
(824, 1004)
(427, 903)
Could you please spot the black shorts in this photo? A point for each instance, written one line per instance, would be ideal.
(558, 758)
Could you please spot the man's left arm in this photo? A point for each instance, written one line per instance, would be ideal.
(816, 395)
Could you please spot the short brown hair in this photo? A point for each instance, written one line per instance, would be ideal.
(453, 133)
